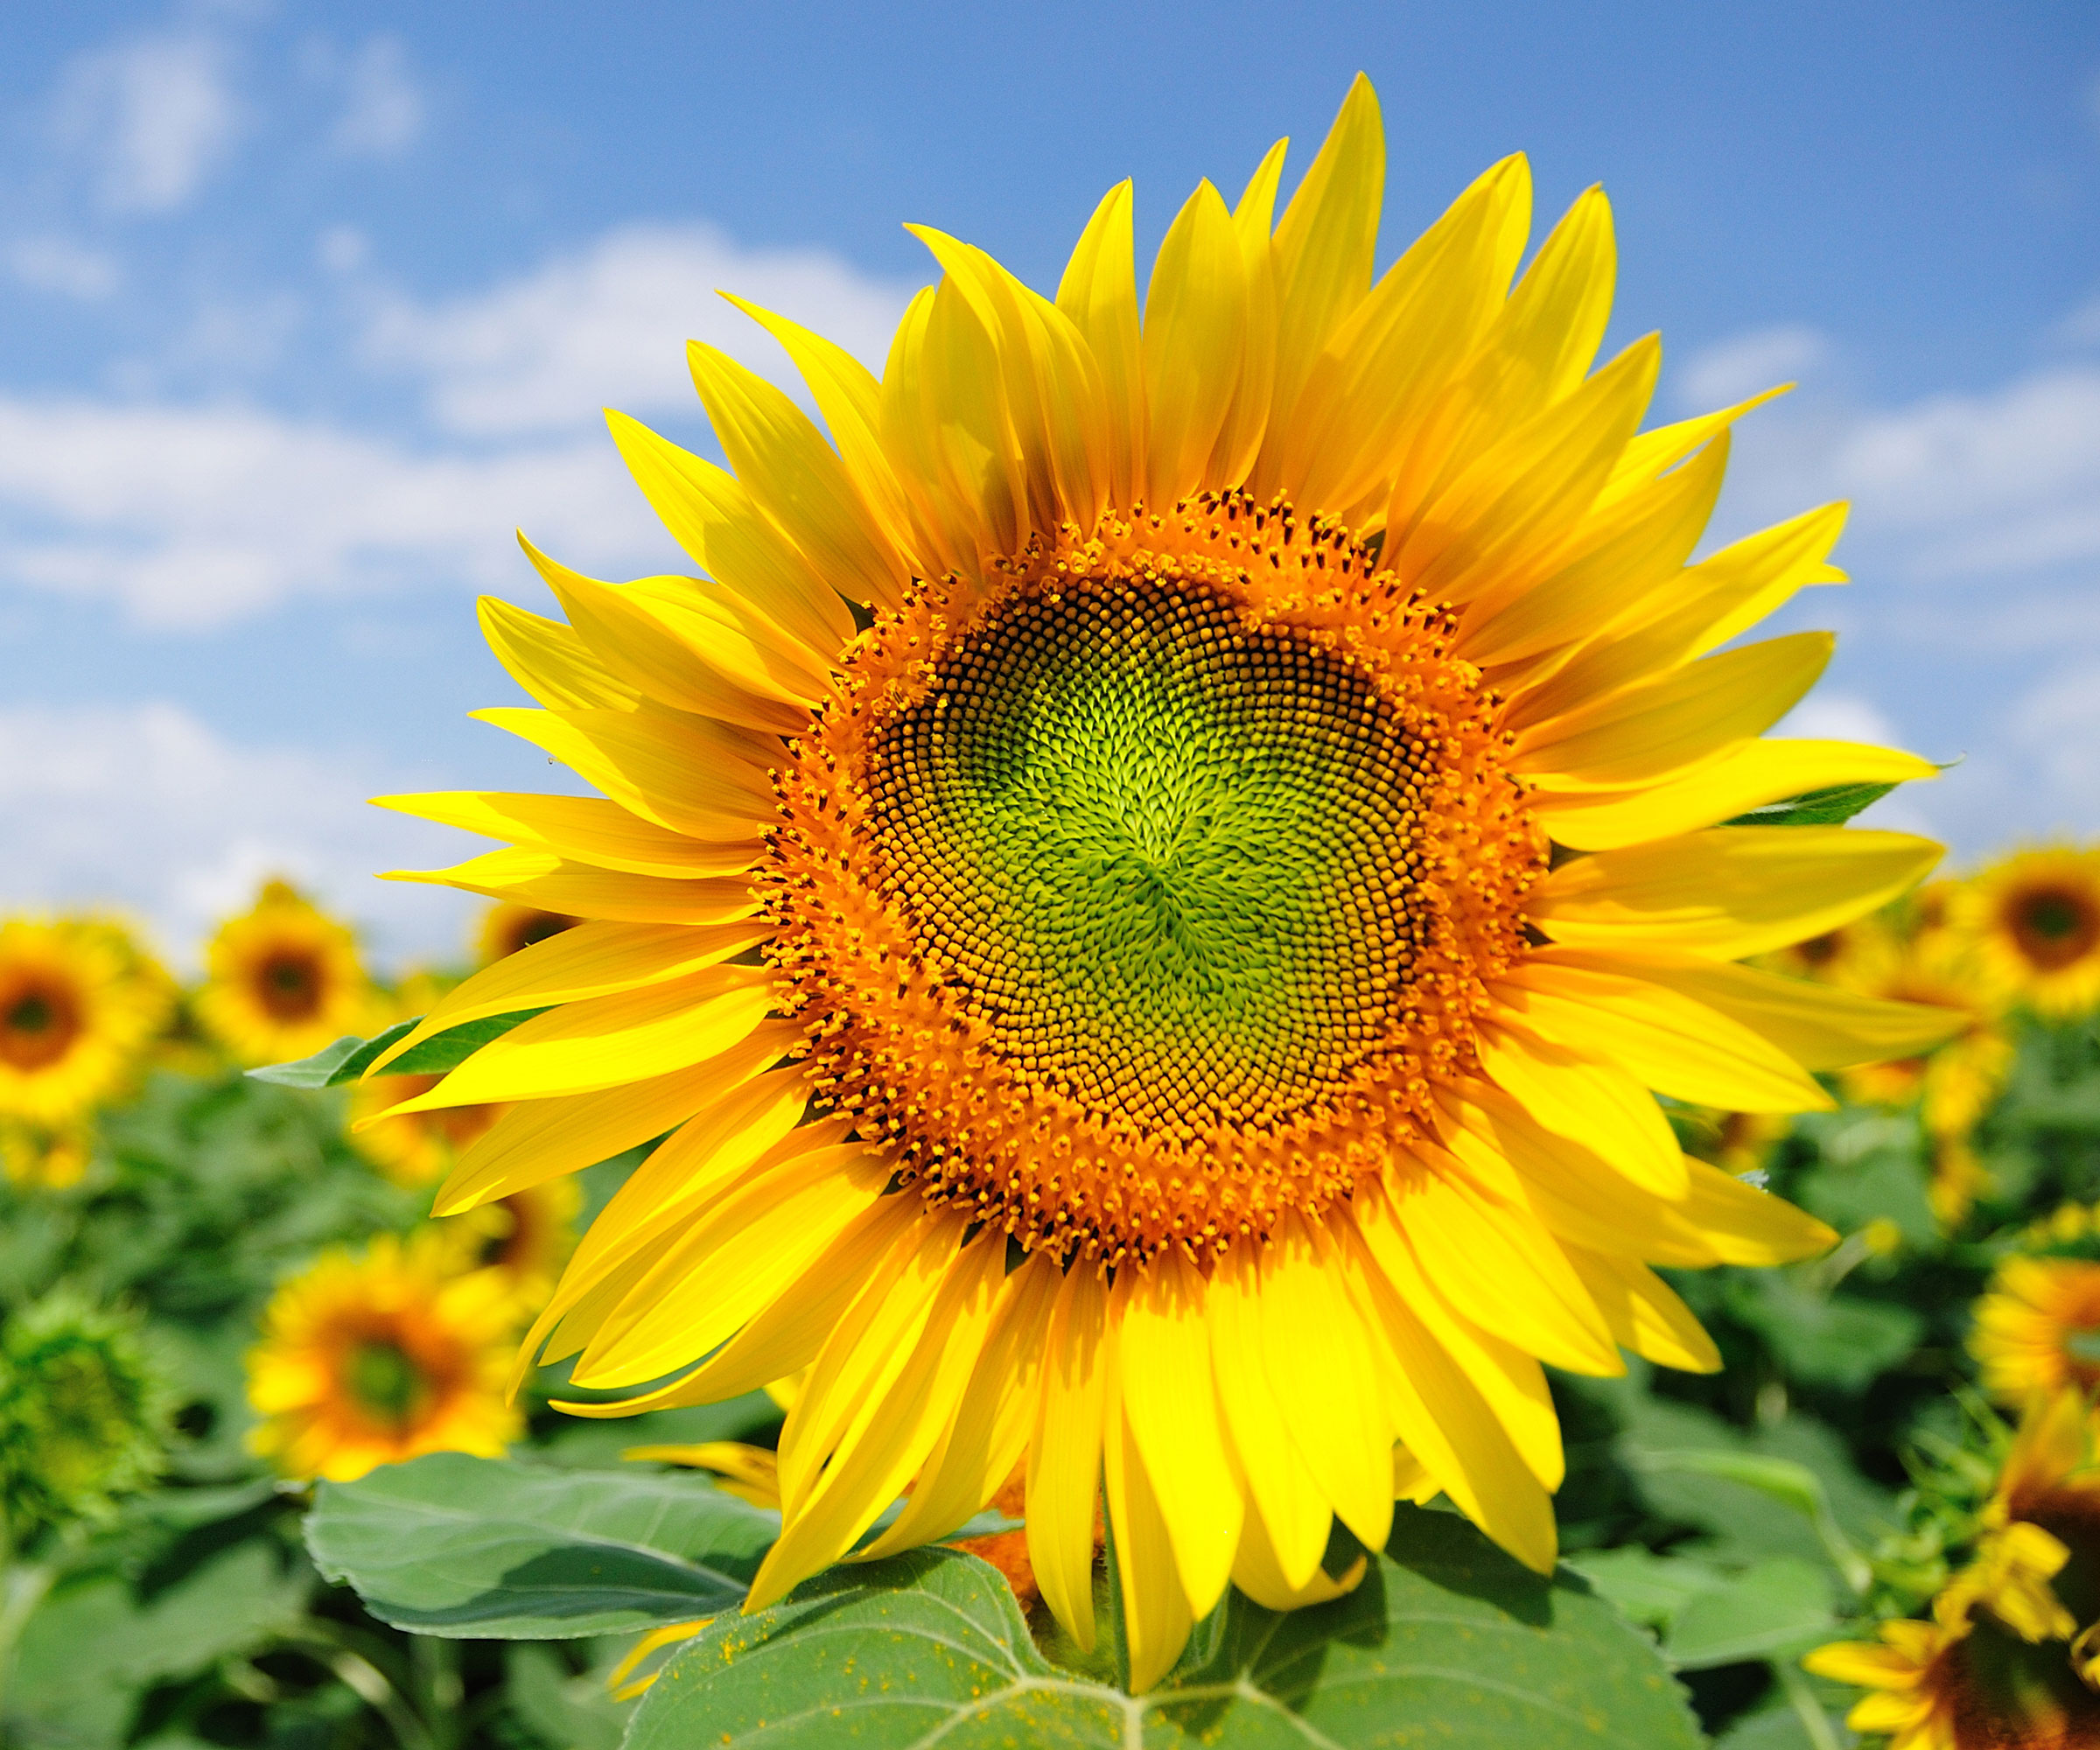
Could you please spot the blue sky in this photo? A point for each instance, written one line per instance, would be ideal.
(303, 309)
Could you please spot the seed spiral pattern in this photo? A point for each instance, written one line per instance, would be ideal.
(1166, 857)
(1150, 896)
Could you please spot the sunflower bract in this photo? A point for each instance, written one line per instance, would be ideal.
(1187, 1060)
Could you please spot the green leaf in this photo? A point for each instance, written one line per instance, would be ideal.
(1706, 1614)
(349, 1057)
(1446, 1641)
(1833, 806)
(1790, 1483)
(489, 1548)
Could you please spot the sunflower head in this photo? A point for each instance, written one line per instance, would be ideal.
(283, 979)
(1087, 881)
(83, 1416)
(80, 1004)
(505, 927)
(525, 1238)
(373, 1358)
(2037, 1328)
(2035, 920)
(1954, 1083)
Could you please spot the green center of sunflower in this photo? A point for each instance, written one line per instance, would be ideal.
(1165, 854)
(385, 1381)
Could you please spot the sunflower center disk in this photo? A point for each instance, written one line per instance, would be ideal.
(1164, 858)
(1143, 900)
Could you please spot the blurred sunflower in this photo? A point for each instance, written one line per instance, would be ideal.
(1137, 750)
(505, 927)
(369, 1359)
(525, 1238)
(1838, 956)
(78, 1007)
(283, 980)
(2037, 1328)
(1954, 1082)
(2004, 1663)
(2035, 920)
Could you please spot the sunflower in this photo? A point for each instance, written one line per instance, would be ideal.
(2035, 919)
(78, 1007)
(507, 928)
(525, 1238)
(1737, 1143)
(283, 980)
(1838, 956)
(1954, 1083)
(371, 1359)
(2037, 1328)
(1138, 752)
(30, 1154)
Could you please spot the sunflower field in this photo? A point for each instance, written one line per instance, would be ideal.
(1195, 1078)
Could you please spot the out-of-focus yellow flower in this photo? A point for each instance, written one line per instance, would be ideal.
(371, 1359)
(507, 926)
(283, 980)
(2037, 1328)
(1958, 1179)
(54, 1159)
(78, 1007)
(1954, 1083)
(1837, 955)
(525, 1237)
(2035, 920)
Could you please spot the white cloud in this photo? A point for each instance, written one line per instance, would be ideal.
(383, 110)
(1839, 716)
(193, 516)
(608, 327)
(342, 248)
(2057, 729)
(1736, 368)
(155, 115)
(143, 807)
(59, 265)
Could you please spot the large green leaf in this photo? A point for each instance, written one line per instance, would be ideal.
(349, 1057)
(492, 1549)
(1446, 1641)
(1705, 1613)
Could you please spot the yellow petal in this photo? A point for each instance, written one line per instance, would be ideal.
(1728, 892)
(1644, 1314)
(1323, 252)
(1099, 293)
(550, 661)
(1662, 1038)
(578, 890)
(1257, 1572)
(1172, 1409)
(1732, 782)
(578, 830)
(1064, 1453)
(795, 476)
(1645, 730)
(945, 428)
(1603, 1108)
(709, 513)
(1195, 332)
(1156, 1620)
(1247, 420)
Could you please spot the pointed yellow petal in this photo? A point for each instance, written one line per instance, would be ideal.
(1195, 333)
(795, 476)
(1172, 1408)
(1099, 293)
(1660, 1036)
(946, 428)
(578, 830)
(1732, 782)
(1604, 1108)
(550, 661)
(1064, 1453)
(1156, 1619)
(1728, 892)
(579, 890)
(1247, 419)
(1645, 1315)
(1258, 1572)
(709, 513)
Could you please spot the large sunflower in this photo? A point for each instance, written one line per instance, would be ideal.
(1175, 1050)
(78, 1004)
(283, 979)
(370, 1359)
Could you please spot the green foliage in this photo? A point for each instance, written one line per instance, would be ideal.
(83, 1416)
(350, 1057)
(448, 1544)
(1832, 807)
(1446, 1637)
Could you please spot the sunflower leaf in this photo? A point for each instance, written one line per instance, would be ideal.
(492, 1549)
(1445, 1634)
(1833, 806)
(349, 1057)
